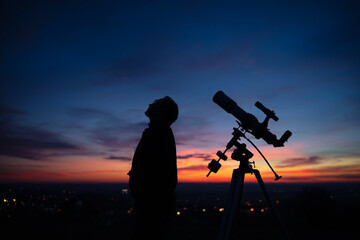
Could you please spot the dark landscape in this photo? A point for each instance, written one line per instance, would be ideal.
(105, 211)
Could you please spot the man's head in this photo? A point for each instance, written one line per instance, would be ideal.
(163, 110)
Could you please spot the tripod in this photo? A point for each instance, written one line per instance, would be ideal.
(235, 196)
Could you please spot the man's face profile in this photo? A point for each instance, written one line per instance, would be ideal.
(163, 111)
(156, 110)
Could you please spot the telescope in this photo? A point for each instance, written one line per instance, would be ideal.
(249, 122)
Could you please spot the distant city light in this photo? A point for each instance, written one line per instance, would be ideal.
(130, 211)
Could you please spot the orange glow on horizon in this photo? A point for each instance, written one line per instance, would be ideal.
(190, 169)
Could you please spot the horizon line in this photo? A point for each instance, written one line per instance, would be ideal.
(194, 182)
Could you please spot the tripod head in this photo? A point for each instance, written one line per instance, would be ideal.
(241, 153)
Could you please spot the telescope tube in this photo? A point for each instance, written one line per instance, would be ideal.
(248, 121)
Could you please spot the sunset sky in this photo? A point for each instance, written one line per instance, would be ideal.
(77, 76)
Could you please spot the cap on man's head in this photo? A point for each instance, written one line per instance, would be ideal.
(171, 109)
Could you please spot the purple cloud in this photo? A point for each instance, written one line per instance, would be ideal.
(112, 157)
(107, 129)
(204, 156)
(31, 142)
(193, 168)
(293, 162)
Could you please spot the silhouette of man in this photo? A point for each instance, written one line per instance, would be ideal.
(153, 175)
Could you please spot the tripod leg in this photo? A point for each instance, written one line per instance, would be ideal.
(268, 198)
(232, 209)
(228, 205)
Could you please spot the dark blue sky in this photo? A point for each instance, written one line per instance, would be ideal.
(76, 77)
